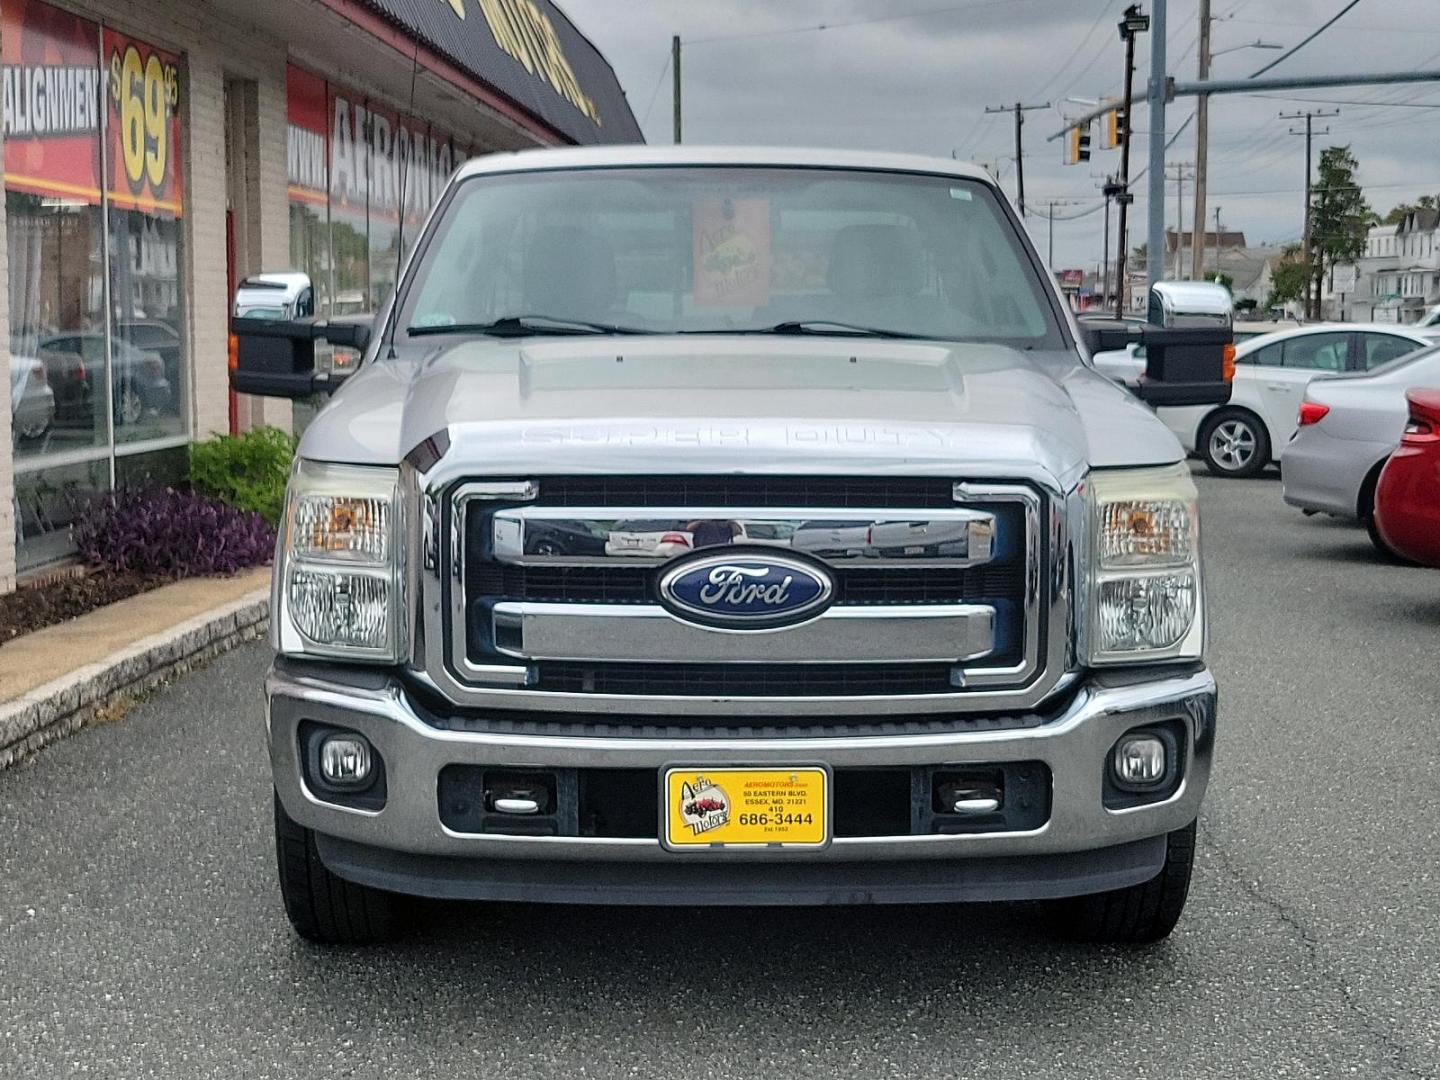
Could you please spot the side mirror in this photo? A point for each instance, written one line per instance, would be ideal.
(1189, 344)
(1107, 335)
(272, 352)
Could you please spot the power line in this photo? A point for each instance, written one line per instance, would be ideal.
(1019, 110)
(1363, 28)
(1306, 41)
(655, 94)
(1367, 104)
(1099, 19)
(951, 9)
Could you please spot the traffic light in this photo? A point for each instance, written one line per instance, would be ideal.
(1110, 128)
(1077, 148)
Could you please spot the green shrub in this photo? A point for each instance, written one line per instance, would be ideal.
(247, 471)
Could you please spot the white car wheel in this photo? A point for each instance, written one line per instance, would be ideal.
(1234, 444)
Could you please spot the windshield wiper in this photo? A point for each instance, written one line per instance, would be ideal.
(525, 326)
(829, 326)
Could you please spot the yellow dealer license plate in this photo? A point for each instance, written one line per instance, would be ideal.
(734, 807)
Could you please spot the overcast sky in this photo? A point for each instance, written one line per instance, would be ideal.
(916, 75)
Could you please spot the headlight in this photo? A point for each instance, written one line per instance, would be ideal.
(340, 564)
(1145, 595)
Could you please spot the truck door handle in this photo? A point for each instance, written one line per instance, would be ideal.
(1277, 386)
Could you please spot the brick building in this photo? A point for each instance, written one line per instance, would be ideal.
(155, 151)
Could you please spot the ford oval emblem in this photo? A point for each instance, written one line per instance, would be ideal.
(740, 591)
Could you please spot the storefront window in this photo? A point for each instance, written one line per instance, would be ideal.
(308, 166)
(349, 227)
(362, 178)
(55, 247)
(93, 149)
(383, 203)
(48, 501)
(147, 355)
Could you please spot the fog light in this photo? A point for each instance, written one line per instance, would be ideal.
(345, 760)
(1139, 761)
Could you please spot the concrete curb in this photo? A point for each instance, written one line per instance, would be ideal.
(65, 705)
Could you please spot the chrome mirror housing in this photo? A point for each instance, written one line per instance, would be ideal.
(1177, 305)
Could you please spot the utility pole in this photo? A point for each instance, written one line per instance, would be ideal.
(1019, 109)
(1309, 117)
(1217, 243)
(1111, 190)
(1202, 149)
(1180, 178)
(1133, 23)
(1051, 204)
(1158, 95)
(675, 84)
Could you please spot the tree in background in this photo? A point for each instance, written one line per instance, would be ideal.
(1340, 218)
(1397, 213)
(1287, 278)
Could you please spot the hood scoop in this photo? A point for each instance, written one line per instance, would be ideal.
(759, 364)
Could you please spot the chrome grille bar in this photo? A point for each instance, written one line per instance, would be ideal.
(650, 536)
(620, 632)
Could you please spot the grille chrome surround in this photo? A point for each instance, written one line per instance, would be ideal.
(598, 535)
(441, 656)
(616, 632)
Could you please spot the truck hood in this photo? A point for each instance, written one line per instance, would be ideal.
(737, 404)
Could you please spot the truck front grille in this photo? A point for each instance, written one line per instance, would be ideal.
(570, 561)
(745, 680)
(636, 584)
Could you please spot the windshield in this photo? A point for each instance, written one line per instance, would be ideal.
(731, 250)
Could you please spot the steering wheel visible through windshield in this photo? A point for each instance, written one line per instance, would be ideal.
(729, 250)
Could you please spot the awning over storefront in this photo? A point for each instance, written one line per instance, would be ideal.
(531, 53)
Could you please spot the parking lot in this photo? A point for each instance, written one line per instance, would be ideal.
(141, 932)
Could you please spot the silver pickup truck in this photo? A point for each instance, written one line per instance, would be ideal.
(992, 686)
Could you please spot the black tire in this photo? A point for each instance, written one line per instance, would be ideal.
(321, 906)
(1142, 913)
(1367, 515)
(1250, 431)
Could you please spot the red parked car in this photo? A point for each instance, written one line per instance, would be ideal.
(1407, 498)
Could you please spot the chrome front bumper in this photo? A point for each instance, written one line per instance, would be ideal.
(1075, 745)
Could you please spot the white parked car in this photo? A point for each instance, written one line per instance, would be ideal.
(649, 539)
(1271, 372)
(32, 401)
(1349, 425)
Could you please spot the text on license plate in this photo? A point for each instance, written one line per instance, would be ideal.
(733, 806)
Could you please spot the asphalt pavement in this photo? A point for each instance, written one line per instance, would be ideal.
(141, 932)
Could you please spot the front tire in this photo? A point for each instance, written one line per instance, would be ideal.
(1235, 444)
(323, 907)
(1140, 914)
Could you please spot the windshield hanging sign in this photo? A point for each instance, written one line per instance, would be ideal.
(732, 252)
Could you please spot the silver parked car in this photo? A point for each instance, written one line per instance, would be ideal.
(1348, 425)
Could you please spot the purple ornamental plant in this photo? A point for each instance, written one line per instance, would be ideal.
(171, 533)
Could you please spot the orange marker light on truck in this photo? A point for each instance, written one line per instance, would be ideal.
(1227, 362)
